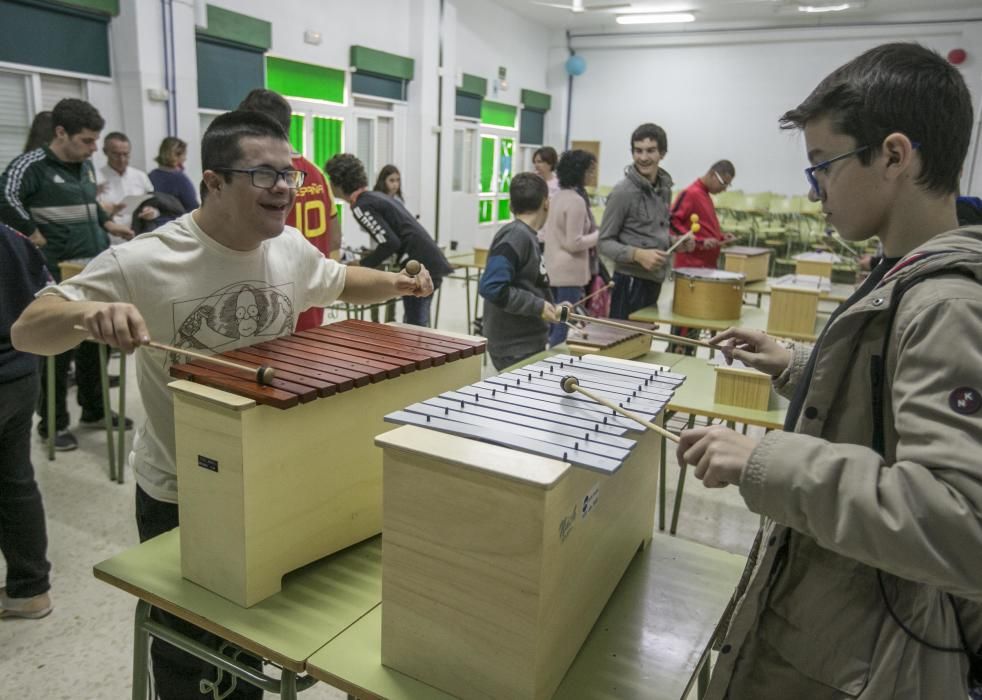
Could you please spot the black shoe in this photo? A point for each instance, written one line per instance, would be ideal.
(100, 421)
(113, 381)
(64, 440)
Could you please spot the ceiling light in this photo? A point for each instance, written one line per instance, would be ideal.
(660, 18)
(829, 8)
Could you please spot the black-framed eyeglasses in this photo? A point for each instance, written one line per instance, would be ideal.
(824, 165)
(266, 178)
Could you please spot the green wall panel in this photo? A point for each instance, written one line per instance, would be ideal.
(540, 101)
(473, 85)
(305, 80)
(381, 63)
(498, 114)
(237, 28)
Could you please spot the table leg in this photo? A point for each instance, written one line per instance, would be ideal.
(436, 313)
(107, 409)
(121, 445)
(477, 294)
(661, 487)
(141, 651)
(50, 367)
(702, 685)
(467, 296)
(678, 493)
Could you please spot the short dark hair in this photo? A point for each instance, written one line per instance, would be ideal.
(220, 145)
(346, 172)
(115, 136)
(547, 154)
(270, 103)
(723, 167)
(653, 132)
(572, 168)
(74, 115)
(527, 192)
(899, 87)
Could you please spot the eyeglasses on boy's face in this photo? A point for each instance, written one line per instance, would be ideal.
(722, 182)
(266, 178)
(824, 165)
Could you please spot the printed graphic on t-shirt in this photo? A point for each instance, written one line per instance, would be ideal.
(250, 310)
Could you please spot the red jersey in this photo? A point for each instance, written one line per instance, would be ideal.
(312, 211)
(695, 199)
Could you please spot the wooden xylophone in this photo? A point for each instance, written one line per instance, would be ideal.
(273, 477)
(594, 338)
(512, 509)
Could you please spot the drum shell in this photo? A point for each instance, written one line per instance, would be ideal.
(709, 298)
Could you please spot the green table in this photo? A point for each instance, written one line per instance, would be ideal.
(317, 603)
(840, 292)
(752, 317)
(651, 641)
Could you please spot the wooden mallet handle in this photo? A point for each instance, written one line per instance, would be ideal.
(264, 373)
(570, 385)
(565, 315)
(609, 285)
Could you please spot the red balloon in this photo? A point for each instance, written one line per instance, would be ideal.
(957, 56)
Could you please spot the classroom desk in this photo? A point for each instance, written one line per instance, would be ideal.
(465, 262)
(840, 292)
(751, 317)
(317, 603)
(651, 641)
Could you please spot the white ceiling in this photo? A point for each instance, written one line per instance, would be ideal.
(738, 12)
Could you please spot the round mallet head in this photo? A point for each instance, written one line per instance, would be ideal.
(563, 314)
(265, 375)
(413, 268)
(694, 218)
(569, 384)
(695, 227)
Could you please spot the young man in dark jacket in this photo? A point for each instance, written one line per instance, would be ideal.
(392, 227)
(515, 284)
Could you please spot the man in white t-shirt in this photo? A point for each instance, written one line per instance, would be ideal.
(117, 181)
(227, 275)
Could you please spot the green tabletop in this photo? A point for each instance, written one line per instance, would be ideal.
(752, 317)
(317, 602)
(647, 643)
(840, 292)
(696, 396)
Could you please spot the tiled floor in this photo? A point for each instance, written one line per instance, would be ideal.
(83, 650)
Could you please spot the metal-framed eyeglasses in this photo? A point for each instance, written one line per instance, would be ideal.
(723, 182)
(824, 165)
(266, 178)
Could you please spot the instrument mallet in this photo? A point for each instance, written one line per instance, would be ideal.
(264, 373)
(570, 385)
(413, 268)
(565, 315)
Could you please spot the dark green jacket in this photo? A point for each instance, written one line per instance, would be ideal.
(39, 191)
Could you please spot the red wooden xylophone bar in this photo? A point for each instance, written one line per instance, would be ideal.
(330, 359)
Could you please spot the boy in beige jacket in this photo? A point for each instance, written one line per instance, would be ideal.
(865, 579)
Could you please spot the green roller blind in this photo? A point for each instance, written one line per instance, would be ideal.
(328, 139)
(234, 27)
(54, 37)
(226, 73)
(304, 80)
(296, 132)
(498, 114)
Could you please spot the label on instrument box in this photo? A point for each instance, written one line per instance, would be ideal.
(208, 463)
(590, 501)
(566, 524)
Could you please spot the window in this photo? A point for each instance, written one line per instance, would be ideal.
(15, 115)
(495, 183)
(463, 160)
(55, 88)
(365, 150)
(374, 143)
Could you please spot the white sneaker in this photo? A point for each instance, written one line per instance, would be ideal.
(32, 608)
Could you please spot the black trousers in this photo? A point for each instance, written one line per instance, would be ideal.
(88, 379)
(632, 293)
(23, 536)
(176, 674)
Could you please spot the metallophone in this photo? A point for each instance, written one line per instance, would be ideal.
(274, 475)
(512, 509)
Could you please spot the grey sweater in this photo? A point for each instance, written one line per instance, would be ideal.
(637, 215)
(515, 287)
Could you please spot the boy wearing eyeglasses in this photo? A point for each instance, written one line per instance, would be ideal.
(865, 580)
(227, 275)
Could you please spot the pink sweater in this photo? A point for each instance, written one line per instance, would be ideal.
(568, 235)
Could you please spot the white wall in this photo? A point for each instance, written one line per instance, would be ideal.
(720, 95)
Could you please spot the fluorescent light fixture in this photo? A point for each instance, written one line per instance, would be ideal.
(827, 8)
(660, 18)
